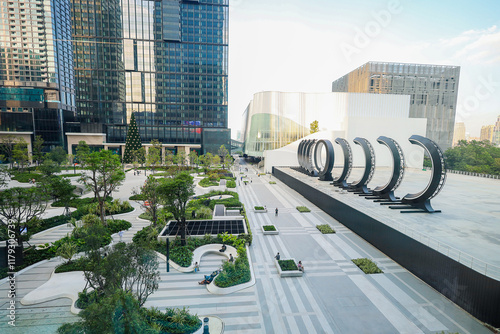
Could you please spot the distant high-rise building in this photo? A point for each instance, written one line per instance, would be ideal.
(432, 88)
(487, 133)
(166, 61)
(495, 140)
(459, 133)
(37, 84)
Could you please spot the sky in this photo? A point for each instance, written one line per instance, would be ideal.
(304, 45)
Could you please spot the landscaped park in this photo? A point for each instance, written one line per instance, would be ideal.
(94, 245)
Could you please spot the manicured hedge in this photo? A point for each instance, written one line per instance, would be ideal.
(367, 265)
(303, 209)
(287, 265)
(325, 229)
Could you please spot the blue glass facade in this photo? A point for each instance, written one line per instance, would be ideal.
(166, 61)
(37, 87)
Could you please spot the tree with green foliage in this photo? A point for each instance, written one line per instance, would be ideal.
(139, 156)
(20, 207)
(169, 158)
(82, 151)
(61, 189)
(150, 200)
(153, 159)
(118, 312)
(7, 144)
(174, 194)
(106, 175)
(222, 152)
(228, 161)
(180, 158)
(49, 167)
(126, 267)
(314, 127)
(58, 154)
(37, 147)
(132, 141)
(20, 154)
(474, 156)
(193, 158)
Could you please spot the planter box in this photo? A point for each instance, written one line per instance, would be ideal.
(270, 232)
(287, 273)
(260, 211)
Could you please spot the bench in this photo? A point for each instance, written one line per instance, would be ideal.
(202, 250)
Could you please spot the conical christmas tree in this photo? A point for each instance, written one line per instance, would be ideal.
(133, 141)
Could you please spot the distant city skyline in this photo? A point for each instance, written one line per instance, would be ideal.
(294, 46)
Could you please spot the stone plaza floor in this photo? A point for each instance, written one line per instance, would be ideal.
(333, 296)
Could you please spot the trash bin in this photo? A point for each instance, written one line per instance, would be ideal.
(205, 326)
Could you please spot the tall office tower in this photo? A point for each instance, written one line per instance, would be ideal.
(459, 133)
(165, 61)
(37, 88)
(495, 140)
(487, 133)
(432, 88)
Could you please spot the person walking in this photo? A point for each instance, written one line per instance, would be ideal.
(278, 257)
(276, 212)
(121, 235)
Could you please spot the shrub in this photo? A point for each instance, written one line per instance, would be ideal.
(117, 225)
(146, 216)
(287, 265)
(137, 197)
(367, 265)
(181, 255)
(26, 177)
(258, 208)
(67, 250)
(206, 182)
(86, 298)
(325, 229)
(80, 264)
(231, 184)
(203, 213)
(234, 274)
(174, 320)
(303, 209)
(146, 237)
(269, 228)
(272, 182)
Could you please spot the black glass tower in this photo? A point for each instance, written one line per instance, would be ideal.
(165, 61)
(37, 86)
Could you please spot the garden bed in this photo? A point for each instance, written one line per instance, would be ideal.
(259, 209)
(288, 268)
(325, 229)
(270, 230)
(303, 209)
(367, 266)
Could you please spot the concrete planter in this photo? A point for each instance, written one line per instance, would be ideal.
(270, 232)
(260, 211)
(287, 273)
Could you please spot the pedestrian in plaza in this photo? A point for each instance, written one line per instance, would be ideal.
(196, 267)
(300, 266)
(231, 258)
(276, 212)
(278, 257)
(121, 235)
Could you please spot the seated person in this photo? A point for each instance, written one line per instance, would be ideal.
(300, 266)
(209, 278)
(223, 248)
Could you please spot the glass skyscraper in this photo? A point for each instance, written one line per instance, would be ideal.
(37, 85)
(165, 61)
(102, 60)
(433, 92)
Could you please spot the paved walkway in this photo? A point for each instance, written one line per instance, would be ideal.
(333, 296)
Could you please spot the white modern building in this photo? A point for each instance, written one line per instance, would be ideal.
(275, 122)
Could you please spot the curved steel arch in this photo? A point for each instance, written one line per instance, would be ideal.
(361, 184)
(422, 199)
(308, 156)
(341, 181)
(387, 190)
(325, 172)
(299, 153)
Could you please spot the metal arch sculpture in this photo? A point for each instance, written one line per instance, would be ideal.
(324, 172)
(361, 184)
(308, 157)
(387, 191)
(341, 181)
(422, 199)
(304, 156)
(300, 154)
